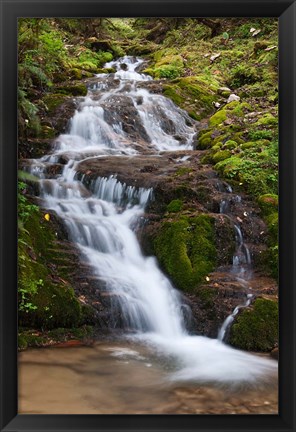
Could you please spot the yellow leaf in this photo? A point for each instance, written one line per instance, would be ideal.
(47, 216)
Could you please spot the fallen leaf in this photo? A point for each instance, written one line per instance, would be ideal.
(47, 217)
(270, 48)
(256, 32)
(214, 57)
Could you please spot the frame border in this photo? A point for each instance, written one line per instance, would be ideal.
(10, 10)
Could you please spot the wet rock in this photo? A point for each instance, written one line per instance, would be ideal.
(275, 353)
(120, 109)
(34, 148)
(60, 115)
(233, 97)
(224, 91)
(155, 87)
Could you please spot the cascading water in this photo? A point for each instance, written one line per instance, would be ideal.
(241, 266)
(100, 219)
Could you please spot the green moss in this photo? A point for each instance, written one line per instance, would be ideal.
(256, 328)
(166, 71)
(221, 137)
(192, 94)
(243, 74)
(34, 338)
(175, 206)
(255, 135)
(218, 118)
(273, 261)
(230, 145)
(172, 93)
(194, 115)
(241, 109)
(204, 141)
(248, 145)
(224, 92)
(207, 297)
(53, 100)
(45, 301)
(167, 66)
(174, 60)
(221, 156)
(255, 169)
(272, 225)
(268, 203)
(76, 73)
(217, 147)
(73, 90)
(106, 70)
(183, 171)
(267, 119)
(185, 249)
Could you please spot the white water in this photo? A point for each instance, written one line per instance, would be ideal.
(241, 266)
(101, 224)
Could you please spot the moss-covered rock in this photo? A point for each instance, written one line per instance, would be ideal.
(175, 206)
(46, 132)
(218, 118)
(272, 258)
(72, 90)
(34, 338)
(52, 101)
(256, 328)
(192, 94)
(205, 140)
(268, 203)
(221, 155)
(244, 74)
(230, 145)
(45, 300)
(185, 248)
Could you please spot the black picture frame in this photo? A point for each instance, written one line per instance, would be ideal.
(285, 10)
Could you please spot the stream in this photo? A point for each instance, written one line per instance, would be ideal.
(157, 357)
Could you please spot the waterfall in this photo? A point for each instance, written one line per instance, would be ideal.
(241, 266)
(100, 222)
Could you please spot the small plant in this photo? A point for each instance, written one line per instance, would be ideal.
(167, 71)
(261, 134)
(25, 293)
(244, 75)
(25, 208)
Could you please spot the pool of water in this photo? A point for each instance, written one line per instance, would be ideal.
(121, 377)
